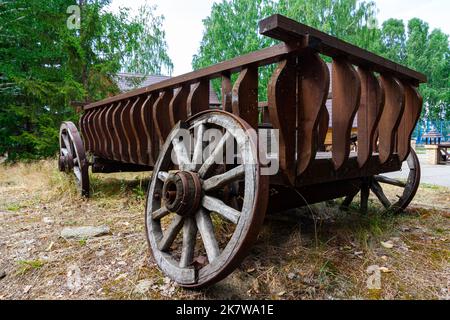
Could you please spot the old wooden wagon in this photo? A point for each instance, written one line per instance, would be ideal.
(201, 215)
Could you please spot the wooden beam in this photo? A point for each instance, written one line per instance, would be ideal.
(282, 28)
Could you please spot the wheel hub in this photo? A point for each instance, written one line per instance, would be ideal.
(65, 163)
(182, 193)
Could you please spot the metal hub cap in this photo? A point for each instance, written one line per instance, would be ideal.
(182, 193)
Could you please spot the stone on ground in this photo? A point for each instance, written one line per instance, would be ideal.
(84, 232)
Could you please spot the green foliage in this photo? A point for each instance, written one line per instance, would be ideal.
(232, 30)
(44, 65)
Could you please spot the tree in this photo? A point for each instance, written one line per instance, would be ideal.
(44, 65)
(232, 28)
(393, 40)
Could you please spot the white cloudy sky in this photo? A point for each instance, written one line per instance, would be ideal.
(184, 26)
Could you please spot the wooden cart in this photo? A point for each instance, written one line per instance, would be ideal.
(202, 217)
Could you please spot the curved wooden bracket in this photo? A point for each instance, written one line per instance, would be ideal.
(413, 109)
(134, 147)
(84, 130)
(245, 96)
(369, 113)
(313, 88)
(283, 113)
(161, 117)
(178, 106)
(198, 99)
(390, 119)
(102, 126)
(346, 98)
(95, 131)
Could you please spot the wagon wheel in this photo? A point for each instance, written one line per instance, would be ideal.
(198, 233)
(404, 192)
(72, 156)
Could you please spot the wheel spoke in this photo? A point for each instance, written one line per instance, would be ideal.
(198, 149)
(181, 153)
(160, 213)
(64, 151)
(206, 167)
(364, 197)
(378, 190)
(171, 233)
(219, 181)
(390, 181)
(77, 172)
(221, 208)
(206, 229)
(163, 176)
(189, 237)
(66, 140)
(348, 200)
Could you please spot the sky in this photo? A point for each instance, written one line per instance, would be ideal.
(184, 27)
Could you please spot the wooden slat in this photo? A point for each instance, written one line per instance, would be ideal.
(161, 116)
(313, 87)
(126, 130)
(136, 148)
(85, 130)
(245, 96)
(178, 105)
(103, 135)
(390, 119)
(110, 136)
(346, 97)
(413, 109)
(369, 113)
(227, 86)
(258, 58)
(147, 124)
(95, 130)
(283, 113)
(120, 135)
(198, 99)
(115, 135)
(288, 30)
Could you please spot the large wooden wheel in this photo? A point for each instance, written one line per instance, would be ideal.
(72, 156)
(400, 193)
(202, 217)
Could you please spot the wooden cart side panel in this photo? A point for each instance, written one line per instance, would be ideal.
(282, 98)
(147, 123)
(161, 115)
(178, 106)
(369, 113)
(226, 91)
(198, 99)
(313, 88)
(391, 116)
(245, 96)
(411, 115)
(346, 98)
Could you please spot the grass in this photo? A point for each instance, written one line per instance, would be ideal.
(321, 253)
(29, 265)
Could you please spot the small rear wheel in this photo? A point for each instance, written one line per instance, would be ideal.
(394, 194)
(203, 215)
(72, 156)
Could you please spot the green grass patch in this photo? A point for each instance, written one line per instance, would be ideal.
(29, 265)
